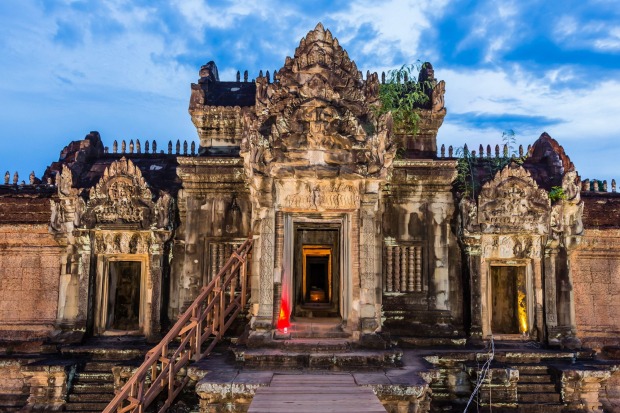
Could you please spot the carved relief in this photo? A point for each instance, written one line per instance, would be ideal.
(367, 249)
(512, 202)
(123, 197)
(318, 196)
(122, 242)
(267, 233)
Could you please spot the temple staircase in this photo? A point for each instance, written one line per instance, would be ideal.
(315, 344)
(162, 375)
(92, 386)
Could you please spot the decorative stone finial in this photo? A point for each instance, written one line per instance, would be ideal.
(178, 147)
(154, 146)
(115, 147)
(138, 146)
(497, 151)
(443, 150)
(32, 178)
(7, 177)
(488, 151)
(238, 76)
(146, 146)
(450, 151)
(605, 185)
(184, 147)
(131, 146)
(193, 148)
(520, 151)
(169, 147)
(481, 150)
(123, 146)
(245, 76)
(15, 178)
(613, 185)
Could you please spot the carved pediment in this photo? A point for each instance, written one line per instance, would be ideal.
(512, 202)
(318, 104)
(122, 197)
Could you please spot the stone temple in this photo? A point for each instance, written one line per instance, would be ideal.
(315, 234)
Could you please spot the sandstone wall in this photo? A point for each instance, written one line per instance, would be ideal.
(596, 282)
(29, 274)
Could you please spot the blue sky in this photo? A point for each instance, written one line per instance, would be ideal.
(124, 68)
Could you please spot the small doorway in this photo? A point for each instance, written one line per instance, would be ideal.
(509, 300)
(317, 275)
(124, 296)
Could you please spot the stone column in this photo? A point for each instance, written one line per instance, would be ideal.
(264, 251)
(473, 252)
(368, 268)
(551, 314)
(83, 278)
(440, 209)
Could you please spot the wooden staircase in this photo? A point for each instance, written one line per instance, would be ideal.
(193, 337)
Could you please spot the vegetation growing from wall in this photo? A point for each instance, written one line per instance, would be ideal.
(402, 94)
(471, 168)
(556, 194)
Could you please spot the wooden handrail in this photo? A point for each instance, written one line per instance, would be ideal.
(207, 318)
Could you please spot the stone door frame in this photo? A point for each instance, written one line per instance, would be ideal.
(102, 292)
(343, 221)
(487, 296)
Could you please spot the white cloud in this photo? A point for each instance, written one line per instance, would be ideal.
(397, 22)
(585, 113)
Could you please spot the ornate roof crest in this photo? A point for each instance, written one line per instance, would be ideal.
(318, 113)
(513, 202)
(122, 197)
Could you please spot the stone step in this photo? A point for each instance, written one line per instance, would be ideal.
(317, 328)
(86, 407)
(535, 387)
(90, 397)
(538, 397)
(106, 365)
(95, 376)
(534, 379)
(521, 408)
(275, 358)
(315, 345)
(93, 388)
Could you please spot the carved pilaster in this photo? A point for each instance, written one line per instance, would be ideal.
(266, 254)
(551, 313)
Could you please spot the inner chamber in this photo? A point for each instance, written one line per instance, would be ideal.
(509, 307)
(317, 270)
(124, 296)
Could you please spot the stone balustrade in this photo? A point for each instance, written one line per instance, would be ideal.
(403, 268)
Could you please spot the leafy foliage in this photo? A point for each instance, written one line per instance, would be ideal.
(471, 169)
(402, 94)
(556, 193)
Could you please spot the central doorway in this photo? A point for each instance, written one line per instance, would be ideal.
(316, 270)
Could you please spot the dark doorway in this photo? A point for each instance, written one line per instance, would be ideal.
(317, 270)
(317, 275)
(509, 305)
(124, 296)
